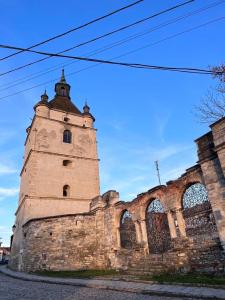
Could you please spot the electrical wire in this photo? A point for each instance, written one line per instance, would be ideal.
(118, 43)
(127, 53)
(132, 65)
(97, 38)
(75, 29)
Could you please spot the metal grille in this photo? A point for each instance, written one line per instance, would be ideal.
(156, 206)
(127, 231)
(198, 215)
(157, 228)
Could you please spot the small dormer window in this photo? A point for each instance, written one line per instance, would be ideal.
(67, 136)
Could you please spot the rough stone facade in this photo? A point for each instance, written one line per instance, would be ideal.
(177, 227)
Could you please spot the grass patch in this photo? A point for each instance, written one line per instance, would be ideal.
(79, 273)
(187, 278)
(162, 278)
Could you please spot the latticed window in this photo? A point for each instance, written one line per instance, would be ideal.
(67, 136)
(197, 211)
(157, 227)
(156, 206)
(127, 231)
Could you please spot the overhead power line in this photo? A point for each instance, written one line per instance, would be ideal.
(120, 42)
(98, 37)
(132, 65)
(75, 29)
(122, 55)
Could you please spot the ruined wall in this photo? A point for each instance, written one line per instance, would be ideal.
(64, 243)
(92, 240)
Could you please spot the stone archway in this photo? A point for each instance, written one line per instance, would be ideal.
(197, 211)
(158, 231)
(127, 231)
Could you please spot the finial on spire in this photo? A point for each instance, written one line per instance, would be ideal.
(44, 97)
(86, 108)
(62, 88)
(63, 79)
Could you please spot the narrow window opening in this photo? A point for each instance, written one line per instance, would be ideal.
(63, 92)
(67, 136)
(67, 163)
(66, 191)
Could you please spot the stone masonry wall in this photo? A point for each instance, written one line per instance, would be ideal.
(64, 243)
(91, 241)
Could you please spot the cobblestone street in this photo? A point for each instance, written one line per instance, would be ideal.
(11, 289)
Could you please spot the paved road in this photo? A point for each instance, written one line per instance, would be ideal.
(15, 289)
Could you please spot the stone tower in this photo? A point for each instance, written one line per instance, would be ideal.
(60, 173)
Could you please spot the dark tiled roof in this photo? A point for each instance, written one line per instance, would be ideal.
(89, 114)
(64, 104)
(42, 102)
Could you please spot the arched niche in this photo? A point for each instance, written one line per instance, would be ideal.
(157, 227)
(197, 211)
(127, 231)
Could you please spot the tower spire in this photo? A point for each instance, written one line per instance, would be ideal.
(63, 79)
(62, 88)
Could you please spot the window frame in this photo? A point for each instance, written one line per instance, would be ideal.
(67, 136)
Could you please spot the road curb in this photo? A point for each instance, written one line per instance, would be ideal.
(147, 288)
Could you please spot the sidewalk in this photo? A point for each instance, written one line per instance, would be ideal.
(124, 286)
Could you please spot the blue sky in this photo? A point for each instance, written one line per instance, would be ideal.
(141, 115)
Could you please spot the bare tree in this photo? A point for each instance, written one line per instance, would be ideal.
(212, 106)
(219, 72)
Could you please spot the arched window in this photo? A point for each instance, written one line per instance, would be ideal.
(127, 231)
(66, 191)
(197, 211)
(157, 227)
(155, 206)
(63, 91)
(67, 136)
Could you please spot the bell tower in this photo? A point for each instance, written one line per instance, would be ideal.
(60, 173)
(62, 88)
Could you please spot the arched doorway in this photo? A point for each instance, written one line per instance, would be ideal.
(127, 231)
(157, 228)
(197, 211)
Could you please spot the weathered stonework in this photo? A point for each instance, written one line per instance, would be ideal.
(153, 233)
(51, 163)
(70, 242)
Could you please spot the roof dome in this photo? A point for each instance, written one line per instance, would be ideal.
(43, 101)
(62, 100)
